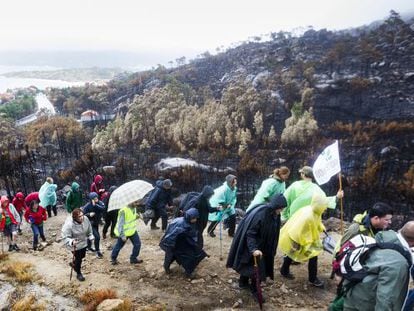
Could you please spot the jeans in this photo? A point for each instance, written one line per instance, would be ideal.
(37, 230)
(409, 302)
(136, 242)
(312, 267)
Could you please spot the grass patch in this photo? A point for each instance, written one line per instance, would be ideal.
(4, 256)
(20, 271)
(28, 303)
(93, 298)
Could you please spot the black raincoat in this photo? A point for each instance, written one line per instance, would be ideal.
(258, 230)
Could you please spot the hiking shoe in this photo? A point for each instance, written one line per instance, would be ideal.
(11, 248)
(80, 277)
(212, 234)
(167, 270)
(91, 249)
(16, 248)
(317, 283)
(19, 231)
(288, 275)
(114, 262)
(136, 261)
(104, 236)
(99, 255)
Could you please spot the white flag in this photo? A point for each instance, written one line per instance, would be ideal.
(327, 164)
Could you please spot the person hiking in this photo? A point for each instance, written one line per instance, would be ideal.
(300, 238)
(9, 221)
(180, 243)
(257, 235)
(98, 186)
(385, 287)
(36, 215)
(273, 185)
(110, 217)
(74, 198)
(159, 200)
(76, 231)
(19, 204)
(200, 201)
(376, 219)
(126, 228)
(300, 193)
(94, 210)
(225, 198)
(48, 197)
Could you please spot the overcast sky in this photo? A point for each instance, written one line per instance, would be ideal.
(173, 25)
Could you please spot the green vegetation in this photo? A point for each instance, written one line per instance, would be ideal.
(19, 107)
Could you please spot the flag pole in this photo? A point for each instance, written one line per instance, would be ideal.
(342, 205)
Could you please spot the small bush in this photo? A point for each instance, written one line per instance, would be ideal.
(93, 298)
(4, 256)
(28, 303)
(21, 271)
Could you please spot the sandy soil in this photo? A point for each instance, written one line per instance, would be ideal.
(214, 288)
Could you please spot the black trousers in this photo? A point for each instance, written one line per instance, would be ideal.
(49, 209)
(244, 283)
(230, 222)
(79, 255)
(160, 213)
(312, 267)
(110, 221)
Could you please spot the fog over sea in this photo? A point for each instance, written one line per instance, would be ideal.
(11, 83)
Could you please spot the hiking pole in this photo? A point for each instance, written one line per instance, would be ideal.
(2, 242)
(221, 239)
(73, 261)
(342, 205)
(258, 287)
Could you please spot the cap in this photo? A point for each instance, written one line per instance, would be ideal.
(92, 195)
(307, 171)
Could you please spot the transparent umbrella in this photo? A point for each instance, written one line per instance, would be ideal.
(128, 193)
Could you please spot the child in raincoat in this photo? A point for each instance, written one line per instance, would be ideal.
(300, 238)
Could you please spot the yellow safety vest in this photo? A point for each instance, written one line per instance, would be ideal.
(130, 221)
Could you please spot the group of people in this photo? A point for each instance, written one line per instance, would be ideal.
(278, 217)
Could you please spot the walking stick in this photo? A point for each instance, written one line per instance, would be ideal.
(342, 205)
(258, 288)
(2, 242)
(221, 239)
(73, 262)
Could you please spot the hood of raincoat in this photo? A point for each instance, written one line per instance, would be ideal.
(319, 203)
(98, 179)
(191, 214)
(278, 201)
(19, 195)
(4, 199)
(207, 192)
(75, 186)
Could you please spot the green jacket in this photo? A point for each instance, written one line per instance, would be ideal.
(361, 225)
(223, 195)
(267, 190)
(74, 198)
(385, 288)
(299, 194)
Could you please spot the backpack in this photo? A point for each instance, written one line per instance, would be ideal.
(351, 257)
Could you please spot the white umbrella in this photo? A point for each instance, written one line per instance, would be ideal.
(128, 193)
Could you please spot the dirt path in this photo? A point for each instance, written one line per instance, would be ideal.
(215, 287)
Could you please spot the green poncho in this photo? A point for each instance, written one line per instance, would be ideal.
(299, 194)
(267, 190)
